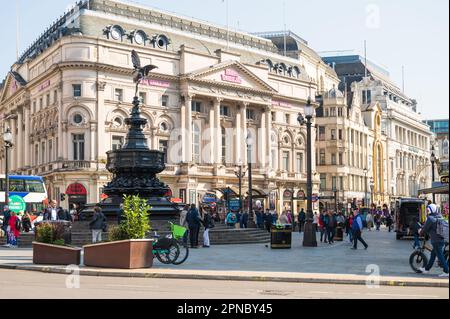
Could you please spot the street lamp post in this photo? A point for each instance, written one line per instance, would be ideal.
(250, 182)
(309, 239)
(366, 171)
(372, 186)
(7, 138)
(240, 174)
(433, 161)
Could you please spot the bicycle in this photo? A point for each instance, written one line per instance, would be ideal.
(166, 249)
(419, 259)
(180, 235)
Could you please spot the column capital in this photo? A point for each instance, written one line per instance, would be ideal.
(101, 86)
(186, 96)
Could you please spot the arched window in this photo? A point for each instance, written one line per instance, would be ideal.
(196, 144)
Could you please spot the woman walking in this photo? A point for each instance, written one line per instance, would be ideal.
(13, 230)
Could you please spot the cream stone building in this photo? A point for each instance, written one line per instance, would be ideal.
(406, 158)
(67, 97)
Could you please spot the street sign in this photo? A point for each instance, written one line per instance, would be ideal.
(315, 198)
(235, 204)
(17, 204)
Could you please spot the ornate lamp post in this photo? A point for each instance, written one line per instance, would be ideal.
(372, 186)
(240, 174)
(309, 239)
(249, 141)
(7, 138)
(366, 171)
(433, 162)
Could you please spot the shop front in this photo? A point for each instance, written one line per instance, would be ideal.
(77, 194)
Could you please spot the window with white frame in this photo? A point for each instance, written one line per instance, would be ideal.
(78, 147)
(117, 142)
(118, 95)
(196, 106)
(196, 143)
(299, 160)
(286, 165)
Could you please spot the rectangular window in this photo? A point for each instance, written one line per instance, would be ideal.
(118, 95)
(299, 162)
(333, 159)
(332, 112)
(117, 143)
(36, 154)
(341, 137)
(321, 133)
(48, 99)
(341, 183)
(334, 183)
(78, 147)
(55, 96)
(323, 181)
(322, 157)
(333, 134)
(340, 112)
(165, 101)
(41, 103)
(76, 90)
(341, 159)
(143, 98)
(163, 147)
(34, 107)
(250, 114)
(367, 97)
(287, 118)
(273, 159)
(224, 111)
(274, 116)
(196, 106)
(43, 153)
(50, 151)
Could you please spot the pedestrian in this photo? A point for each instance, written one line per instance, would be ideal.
(274, 217)
(330, 226)
(194, 221)
(231, 219)
(5, 225)
(348, 228)
(357, 228)
(416, 227)
(389, 222)
(316, 222)
(73, 212)
(431, 228)
(13, 230)
(97, 225)
(284, 220)
(183, 215)
(26, 222)
(369, 220)
(301, 220)
(237, 224)
(51, 212)
(259, 219)
(377, 221)
(208, 223)
(322, 227)
(244, 220)
(268, 220)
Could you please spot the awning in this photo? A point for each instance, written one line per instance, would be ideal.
(443, 189)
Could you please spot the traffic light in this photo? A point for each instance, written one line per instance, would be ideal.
(63, 197)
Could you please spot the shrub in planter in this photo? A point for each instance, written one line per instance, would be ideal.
(49, 248)
(127, 247)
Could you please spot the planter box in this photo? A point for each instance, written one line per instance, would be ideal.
(126, 254)
(45, 254)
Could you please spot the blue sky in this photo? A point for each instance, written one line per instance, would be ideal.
(413, 33)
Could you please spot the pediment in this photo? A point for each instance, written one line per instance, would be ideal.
(13, 83)
(231, 73)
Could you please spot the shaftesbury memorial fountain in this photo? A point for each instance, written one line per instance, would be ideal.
(135, 166)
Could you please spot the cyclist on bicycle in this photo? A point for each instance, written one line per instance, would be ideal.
(437, 241)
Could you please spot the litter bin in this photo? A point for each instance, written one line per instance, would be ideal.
(281, 237)
(339, 234)
(67, 229)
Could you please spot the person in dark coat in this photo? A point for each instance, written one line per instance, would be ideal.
(6, 217)
(97, 224)
(244, 220)
(301, 220)
(268, 220)
(259, 219)
(194, 222)
(208, 222)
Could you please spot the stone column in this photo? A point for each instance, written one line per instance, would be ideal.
(212, 141)
(183, 132)
(102, 145)
(268, 133)
(65, 142)
(238, 136)
(20, 143)
(262, 141)
(93, 134)
(244, 132)
(27, 146)
(217, 131)
(188, 139)
(13, 150)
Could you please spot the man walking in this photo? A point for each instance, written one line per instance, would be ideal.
(431, 228)
(194, 221)
(97, 224)
(6, 217)
(244, 220)
(51, 213)
(301, 220)
(357, 228)
(209, 224)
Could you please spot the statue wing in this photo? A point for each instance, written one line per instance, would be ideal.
(135, 59)
(147, 69)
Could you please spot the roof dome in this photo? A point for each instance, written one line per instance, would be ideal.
(334, 93)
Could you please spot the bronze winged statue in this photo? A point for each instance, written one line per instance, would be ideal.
(140, 72)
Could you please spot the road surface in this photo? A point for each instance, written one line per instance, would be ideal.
(29, 285)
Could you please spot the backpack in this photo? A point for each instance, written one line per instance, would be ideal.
(442, 228)
(18, 224)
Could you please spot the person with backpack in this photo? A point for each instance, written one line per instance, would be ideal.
(357, 228)
(231, 219)
(13, 230)
(436, 227)
(97, 225)
(194, 221)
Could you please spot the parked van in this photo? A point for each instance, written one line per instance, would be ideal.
(406, 209)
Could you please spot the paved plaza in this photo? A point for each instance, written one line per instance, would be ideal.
(385, 252)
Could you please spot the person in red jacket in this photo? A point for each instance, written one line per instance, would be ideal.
(13, 232)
